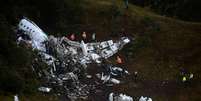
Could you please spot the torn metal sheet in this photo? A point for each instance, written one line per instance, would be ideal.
(44, 89)
(67, 61)
(142, 98)
(120, 97)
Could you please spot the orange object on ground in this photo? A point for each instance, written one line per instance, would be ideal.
(119, 60)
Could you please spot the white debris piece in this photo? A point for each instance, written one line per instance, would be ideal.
(126, 40)
(89, 76)
(124, 97)
(44, 89)
(120, 97)
(114, 48)
(142, 98)
(95, 57)
(103, 44)
(149, 99)
(107, 78)
(19, 40)
(16, 98)
(115, 71)
(115, 81)
(111, 97)
(84, 48)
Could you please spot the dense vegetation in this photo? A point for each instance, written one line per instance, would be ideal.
(182, 9)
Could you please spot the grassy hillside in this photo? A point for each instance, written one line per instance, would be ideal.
(161, 46)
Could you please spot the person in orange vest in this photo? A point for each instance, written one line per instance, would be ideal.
(119, 60)
(72, 37)
(84, 36)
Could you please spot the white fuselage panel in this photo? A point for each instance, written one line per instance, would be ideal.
(35, 33)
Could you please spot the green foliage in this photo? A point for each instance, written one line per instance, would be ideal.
(183, 9)
(16, 75)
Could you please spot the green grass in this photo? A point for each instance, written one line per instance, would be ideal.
(161, 47)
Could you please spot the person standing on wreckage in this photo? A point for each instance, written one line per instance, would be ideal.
(72, 37)
(94, 37)
(84, 36)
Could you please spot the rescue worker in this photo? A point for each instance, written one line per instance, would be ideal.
(135, 76)
(184, 79)
(84, 36)
(119, 60)
(191, 76)
(72, 37)
(94, 36)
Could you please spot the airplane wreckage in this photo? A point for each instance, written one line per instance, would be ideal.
(67, 62)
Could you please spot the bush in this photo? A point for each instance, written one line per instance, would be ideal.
(16, 75)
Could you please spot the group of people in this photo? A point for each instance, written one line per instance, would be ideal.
(186, 77)
(84, 36)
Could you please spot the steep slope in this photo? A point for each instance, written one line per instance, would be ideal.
(161, 46)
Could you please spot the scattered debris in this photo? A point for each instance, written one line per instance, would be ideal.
(107, 78)
(110, 74)
(67, 61)
(118, 71)
(142, 98)
(44, 89)
(89, 76)
(120, 97)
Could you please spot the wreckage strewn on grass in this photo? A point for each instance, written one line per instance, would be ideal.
(120, 97)
(67, 61)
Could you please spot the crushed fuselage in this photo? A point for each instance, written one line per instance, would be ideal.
(67, 60)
